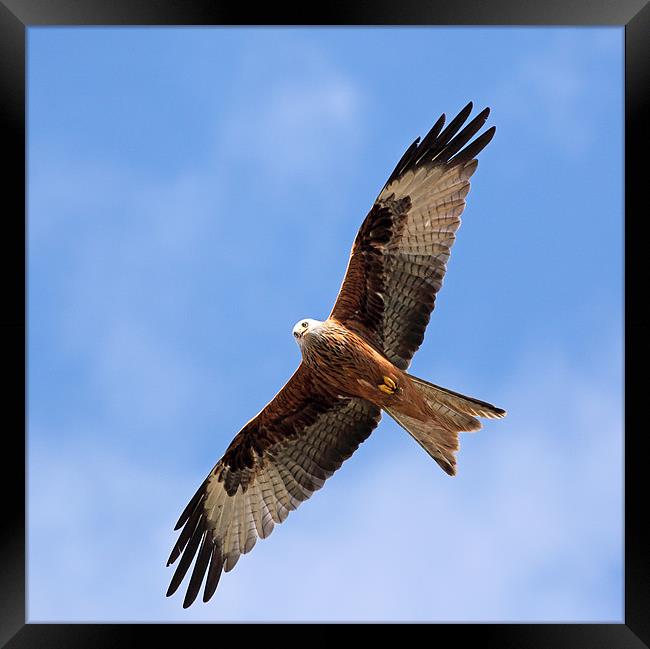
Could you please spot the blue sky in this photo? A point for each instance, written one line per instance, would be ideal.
(194, 192)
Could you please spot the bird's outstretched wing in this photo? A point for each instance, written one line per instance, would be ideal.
(399, 258)
(274, 463)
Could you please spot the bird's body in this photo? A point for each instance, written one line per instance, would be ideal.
(353, 366)
(346, 365)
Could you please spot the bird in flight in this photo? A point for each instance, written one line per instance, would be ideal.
(353, 366)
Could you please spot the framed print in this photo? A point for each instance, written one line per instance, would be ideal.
(192, 187)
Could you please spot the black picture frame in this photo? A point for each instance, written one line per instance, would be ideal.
(18, 15)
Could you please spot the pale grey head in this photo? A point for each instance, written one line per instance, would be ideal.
(306, 328)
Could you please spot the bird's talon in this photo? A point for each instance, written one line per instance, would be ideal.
(390, 383)
(388, 386)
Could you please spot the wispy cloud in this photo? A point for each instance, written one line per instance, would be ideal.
(541, 540)
(295, 127)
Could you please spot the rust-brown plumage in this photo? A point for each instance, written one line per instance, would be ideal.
(354, 366)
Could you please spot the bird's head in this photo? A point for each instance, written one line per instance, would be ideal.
(304, 328)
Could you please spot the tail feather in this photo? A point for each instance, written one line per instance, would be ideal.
(457, 401)
(452, 413)
(452, 418)
(439, 443)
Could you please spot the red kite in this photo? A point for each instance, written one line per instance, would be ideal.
(353, 366)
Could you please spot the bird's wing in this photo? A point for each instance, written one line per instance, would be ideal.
(399, 258)
(274, 463)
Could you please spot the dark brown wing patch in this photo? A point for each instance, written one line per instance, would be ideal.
(363, 311)
(399, 258)
(276, 462)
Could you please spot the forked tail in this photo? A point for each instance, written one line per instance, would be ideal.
(452, 413)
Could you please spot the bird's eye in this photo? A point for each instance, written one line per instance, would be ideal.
(304, 324)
